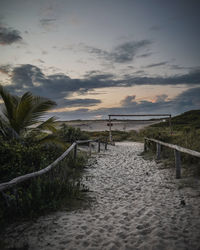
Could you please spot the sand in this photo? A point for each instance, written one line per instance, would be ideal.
(137, 206)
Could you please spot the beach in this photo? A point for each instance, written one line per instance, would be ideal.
(137, 204)
(103, 125)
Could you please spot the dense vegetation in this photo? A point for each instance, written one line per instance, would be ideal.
(28, 144)
(186, 133)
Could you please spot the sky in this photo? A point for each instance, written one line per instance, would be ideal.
(96, 58)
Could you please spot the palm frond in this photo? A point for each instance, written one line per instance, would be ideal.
(23, 111)
(40, 107)
(9, 103)
(49, 124)
(7, 131)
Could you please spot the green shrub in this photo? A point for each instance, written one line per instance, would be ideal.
(44, 193)
(71, 134)
(19, 159)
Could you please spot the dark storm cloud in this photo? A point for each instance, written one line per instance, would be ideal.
(127, 51)
(24, 76)
(56, 86)
(59, 86)
(187, 100)
(193, 77)
(123, 53)
(80, 102)
(5, 69)
(32, 76)
(156, 65)
(9, 36)
(128, 100)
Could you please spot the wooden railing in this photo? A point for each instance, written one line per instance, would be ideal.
(177, 150)
(74, 146)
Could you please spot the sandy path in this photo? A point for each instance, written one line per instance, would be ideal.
(137, 207)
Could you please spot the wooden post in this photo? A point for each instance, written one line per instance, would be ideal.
(158, 150)
(110, 133)
(75, 152)
(99, 146)
(145, 145)
(177, 163)
(90, 148)
(106, 144)
(170, 124)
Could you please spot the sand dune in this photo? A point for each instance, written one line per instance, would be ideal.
(137, 206)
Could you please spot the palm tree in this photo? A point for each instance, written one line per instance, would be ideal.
(21, 115)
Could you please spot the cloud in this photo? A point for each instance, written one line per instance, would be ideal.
(9, 36)
(56, 86)
(98, 76)
(139, 72)
(59, 87)
(5, 69)
(128, 100)
(27, 76)
(144, 55)
(127, 51)
(122, 53)
(156, 65)
(161, 98)
(190, 78)
(188, 100)
(178, 67)
(87, 102)
(47, 23)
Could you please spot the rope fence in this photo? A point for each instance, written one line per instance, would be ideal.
(74, 146)
(177, 150)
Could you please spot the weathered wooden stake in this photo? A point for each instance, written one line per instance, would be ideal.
(145, 145)
(99, 146)
(170, 124)
(177, 163)
(110, 133)
(106, 144)
(90, 148)
(75, 151)
(158, 150)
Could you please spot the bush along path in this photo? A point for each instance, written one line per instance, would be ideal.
(137, 204)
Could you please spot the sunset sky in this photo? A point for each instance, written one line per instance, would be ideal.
(96, 57)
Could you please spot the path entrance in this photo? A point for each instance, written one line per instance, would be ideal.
(137, 206)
